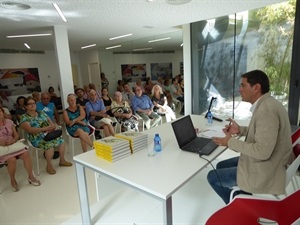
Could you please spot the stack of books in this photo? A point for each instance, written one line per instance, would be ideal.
(112, 148)
(137, 141)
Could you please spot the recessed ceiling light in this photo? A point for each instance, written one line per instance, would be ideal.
(116, 46)
(122, 36)
(28, 35)
(88, 46)
(161, 39)
(59, 12)
(14, 6)
(27, 46)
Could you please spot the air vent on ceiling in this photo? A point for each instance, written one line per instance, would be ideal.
(14, 6)
(177, 2)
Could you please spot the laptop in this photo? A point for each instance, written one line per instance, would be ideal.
(187, 138)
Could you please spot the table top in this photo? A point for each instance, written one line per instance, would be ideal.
(160, 175)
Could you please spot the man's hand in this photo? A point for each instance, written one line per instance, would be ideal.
(232, 128)
(222, 141)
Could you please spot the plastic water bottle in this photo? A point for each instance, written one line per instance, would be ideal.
(209, 118)
(157, 143)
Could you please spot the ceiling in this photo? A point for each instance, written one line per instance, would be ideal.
(95, 21)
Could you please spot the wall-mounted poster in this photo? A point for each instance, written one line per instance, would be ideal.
(133, 72)
(19, 81)
(161, 70)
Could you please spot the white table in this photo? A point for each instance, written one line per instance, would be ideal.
(159, 176)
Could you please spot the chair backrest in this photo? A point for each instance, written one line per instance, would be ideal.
(292, 169)
(251, 210)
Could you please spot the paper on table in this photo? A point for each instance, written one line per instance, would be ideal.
(214, 131)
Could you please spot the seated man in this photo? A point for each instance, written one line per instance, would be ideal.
(96, 114)
(127, 94)
(143, 106)
(80, 100)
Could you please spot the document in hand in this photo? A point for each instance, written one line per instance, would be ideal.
(214, 131)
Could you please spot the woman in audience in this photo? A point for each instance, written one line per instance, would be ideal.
(161, 104)
(37, 125)
(120, 87)
(104, 81)
(7, 114)
(8, 136)
(76, 123)
(148, 86)
(107, 100)
(20, 110)
(167, 86)
(122, 112)
(51, 92)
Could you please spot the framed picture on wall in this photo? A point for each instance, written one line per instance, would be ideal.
(19, 81)
(163, 70)
(133, 72)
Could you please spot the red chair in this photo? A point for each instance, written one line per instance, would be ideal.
(244, 210)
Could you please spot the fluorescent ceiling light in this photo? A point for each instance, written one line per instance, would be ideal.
(27, 35)
(141, 49)
(59, 12)
(181, 45)
(27, 46)
(88, 46)
(116, 46)
(122, 36)
(161, 39)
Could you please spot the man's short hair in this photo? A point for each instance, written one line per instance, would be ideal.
(78, 89)
(258, 77)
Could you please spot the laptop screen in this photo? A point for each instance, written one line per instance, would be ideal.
(184, 130)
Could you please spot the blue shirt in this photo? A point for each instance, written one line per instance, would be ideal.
(143, 102)
(48, 109)
(94, 106)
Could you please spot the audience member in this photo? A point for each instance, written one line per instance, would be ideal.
(167, 90)
(148, 86)
(143, 106)
(36, 95)
(48, 107)
(161, 104)
(266, 150)
(122, 112)
(120, 86)
(80, 101)
(7, 114)
(37, 125)
(7, 102)
(20, 110)
(97, 116)
(104, 81)
(51, 92)
(86, 91)
(93, 87)
(181, 84)
(107, 100)
(139, 84)
(127, 93)
(177, 93)
(9, 136)
(76, 123)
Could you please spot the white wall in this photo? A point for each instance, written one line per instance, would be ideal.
(46, 64)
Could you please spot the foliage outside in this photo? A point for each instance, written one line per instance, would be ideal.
(276, 29)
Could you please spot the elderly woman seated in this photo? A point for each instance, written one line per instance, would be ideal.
(161, 104)
(8, 137)
(77, 125)
(122, 112)
(37, 125)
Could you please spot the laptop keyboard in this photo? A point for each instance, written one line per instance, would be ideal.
(197, 144)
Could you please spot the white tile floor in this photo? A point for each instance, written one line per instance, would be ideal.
(56, 200)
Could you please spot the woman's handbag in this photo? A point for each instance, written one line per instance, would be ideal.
(53, 135)
(15, 147)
